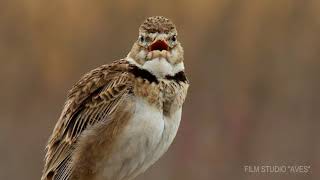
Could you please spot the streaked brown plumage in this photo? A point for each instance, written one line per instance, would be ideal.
(103, 107)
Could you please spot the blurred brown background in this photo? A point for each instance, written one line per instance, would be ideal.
(253, 65)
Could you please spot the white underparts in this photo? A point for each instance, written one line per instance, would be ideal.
(146, 137)
(160, 67)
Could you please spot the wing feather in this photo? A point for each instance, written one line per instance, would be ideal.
(90, 101)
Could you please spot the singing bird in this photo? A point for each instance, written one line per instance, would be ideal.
(120, 118)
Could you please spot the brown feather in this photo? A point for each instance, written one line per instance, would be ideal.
(90, 101)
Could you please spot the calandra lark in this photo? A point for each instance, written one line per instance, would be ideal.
(120, 118)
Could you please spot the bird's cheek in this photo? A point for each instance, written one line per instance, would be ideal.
(174, 56)
(142, 54)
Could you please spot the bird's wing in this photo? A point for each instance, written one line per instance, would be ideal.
(91, 100)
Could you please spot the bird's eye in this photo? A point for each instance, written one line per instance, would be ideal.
(174, 38)
(141, 39)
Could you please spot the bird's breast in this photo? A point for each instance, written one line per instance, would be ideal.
(145, 138)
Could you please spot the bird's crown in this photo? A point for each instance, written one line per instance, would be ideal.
(158, 24)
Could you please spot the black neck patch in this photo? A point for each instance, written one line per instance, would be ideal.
(178, 77)
(144, 74)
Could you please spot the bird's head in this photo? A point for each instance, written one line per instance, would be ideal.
(157, 48)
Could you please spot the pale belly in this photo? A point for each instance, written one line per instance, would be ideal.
(144, 140)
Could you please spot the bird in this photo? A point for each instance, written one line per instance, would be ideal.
(120, 118)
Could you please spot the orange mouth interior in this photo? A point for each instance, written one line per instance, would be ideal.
(158, 45)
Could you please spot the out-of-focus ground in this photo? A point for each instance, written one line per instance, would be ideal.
(254, 68)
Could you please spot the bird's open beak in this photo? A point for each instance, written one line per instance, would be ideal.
(159, 45)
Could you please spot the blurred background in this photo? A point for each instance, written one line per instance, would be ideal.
(253, 66)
